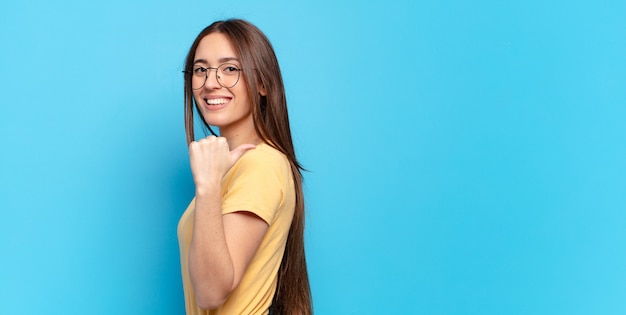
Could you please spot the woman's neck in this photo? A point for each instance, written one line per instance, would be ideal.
(239, 136)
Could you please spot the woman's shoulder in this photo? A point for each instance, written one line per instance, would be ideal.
(264, 155)
(264, 161)
(265, 151)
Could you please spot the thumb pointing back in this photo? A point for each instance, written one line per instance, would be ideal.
(237, 153)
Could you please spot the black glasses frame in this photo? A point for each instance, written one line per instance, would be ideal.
(217, 76)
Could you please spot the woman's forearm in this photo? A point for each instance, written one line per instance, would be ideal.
(210, 263)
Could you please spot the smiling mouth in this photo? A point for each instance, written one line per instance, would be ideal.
(217, 101)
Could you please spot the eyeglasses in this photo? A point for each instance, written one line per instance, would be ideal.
(227, 75)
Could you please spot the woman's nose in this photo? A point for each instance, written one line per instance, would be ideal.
(211, 80)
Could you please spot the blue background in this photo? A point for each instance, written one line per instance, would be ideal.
(465, 157)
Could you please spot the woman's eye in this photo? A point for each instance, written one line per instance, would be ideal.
(230, 69)
(200, 70)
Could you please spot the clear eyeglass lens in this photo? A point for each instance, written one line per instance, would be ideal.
(199, 77)
(228, 75)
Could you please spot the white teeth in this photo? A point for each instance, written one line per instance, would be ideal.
(216, 101)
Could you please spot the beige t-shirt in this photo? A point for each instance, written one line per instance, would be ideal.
(260, 182)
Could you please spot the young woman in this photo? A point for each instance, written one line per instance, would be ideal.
(241, 238)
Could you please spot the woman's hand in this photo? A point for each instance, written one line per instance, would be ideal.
(211, 158)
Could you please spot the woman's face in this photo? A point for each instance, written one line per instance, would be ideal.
(227, 108)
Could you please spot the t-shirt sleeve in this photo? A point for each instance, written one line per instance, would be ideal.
(254, 184)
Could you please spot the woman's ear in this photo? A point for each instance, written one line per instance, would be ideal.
(260, 86)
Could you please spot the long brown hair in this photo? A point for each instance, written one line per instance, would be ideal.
(271, 121)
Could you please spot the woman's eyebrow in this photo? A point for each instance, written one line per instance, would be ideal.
(221, 60)
(226, 59)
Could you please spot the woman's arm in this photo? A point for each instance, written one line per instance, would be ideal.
(222, 246)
